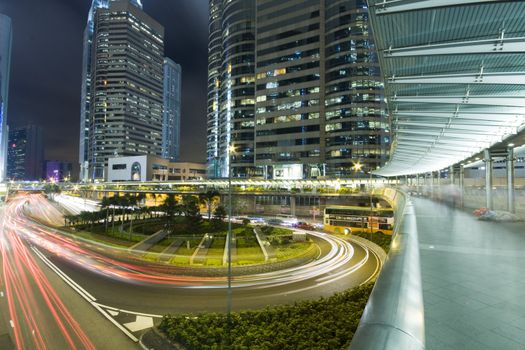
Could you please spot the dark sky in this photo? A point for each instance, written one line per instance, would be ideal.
(47, 60)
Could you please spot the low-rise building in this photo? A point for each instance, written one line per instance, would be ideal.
(151, 168)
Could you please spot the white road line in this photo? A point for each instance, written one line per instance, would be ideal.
(112, 320)
(64, 277)
(83, 293)
(128, 311)
(12, 323)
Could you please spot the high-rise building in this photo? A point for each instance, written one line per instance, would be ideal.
(25, 154)
(57, 170)
(126, 85)
(85, 94)
(172, 106)
(231, 87)
(5, 64)
(308, 89)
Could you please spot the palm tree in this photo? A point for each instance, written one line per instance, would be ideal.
(207, 199)
(105, 203)
(169, 207)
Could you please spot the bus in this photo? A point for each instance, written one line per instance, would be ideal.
(350, 219)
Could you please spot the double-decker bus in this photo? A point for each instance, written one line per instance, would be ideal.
(348, 219)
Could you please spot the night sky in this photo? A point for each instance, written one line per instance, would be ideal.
(47, 62)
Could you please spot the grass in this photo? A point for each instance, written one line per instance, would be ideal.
(294, 250)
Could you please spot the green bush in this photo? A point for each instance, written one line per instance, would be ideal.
(327, 323)
(378, 238)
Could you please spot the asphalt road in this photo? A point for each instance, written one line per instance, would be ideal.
(40, 311)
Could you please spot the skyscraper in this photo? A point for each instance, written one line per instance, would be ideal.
(5, 64)
(25, 158)
(231, 87)
(172, 105)
(308, 88)
(126, 85)
(86, 84)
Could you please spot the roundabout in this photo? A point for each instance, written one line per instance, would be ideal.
(110, 279)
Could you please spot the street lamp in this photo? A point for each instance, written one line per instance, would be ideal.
(231, 150)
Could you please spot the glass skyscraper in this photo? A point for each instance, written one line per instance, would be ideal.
(5, 66)
(126, 103)
(25, 153)
(295, 87)
(231, 87)
(86, 84)
(171, 114)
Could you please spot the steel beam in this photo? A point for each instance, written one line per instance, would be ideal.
(487, 46)
(393, 6)
(488, 100)
(505, 78)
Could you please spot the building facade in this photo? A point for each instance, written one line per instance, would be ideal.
(231, 88)
(299, 95)
(126, 101)
(85, 94)
(151, 168)
(6, 36)
(58, 171)
(25, 154)
(171, 113)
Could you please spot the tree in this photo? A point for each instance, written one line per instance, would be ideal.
(51, 190)
(170, 208)
(191, 210)
(207, 199)
(219, 216)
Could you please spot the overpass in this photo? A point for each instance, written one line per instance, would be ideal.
(455, 88)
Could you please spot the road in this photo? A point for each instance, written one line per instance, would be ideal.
(126, 290)
(38, 311)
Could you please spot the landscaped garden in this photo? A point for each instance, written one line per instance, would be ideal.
(184, 236)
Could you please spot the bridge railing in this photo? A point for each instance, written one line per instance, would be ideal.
(394, 315)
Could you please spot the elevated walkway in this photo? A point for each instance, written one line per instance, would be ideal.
(473, 279)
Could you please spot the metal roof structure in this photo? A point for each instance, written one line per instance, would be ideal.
(454, 75)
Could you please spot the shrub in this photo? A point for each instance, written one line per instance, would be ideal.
(320, 324)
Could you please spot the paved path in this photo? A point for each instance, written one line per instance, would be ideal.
(473, 279)
(150, 241)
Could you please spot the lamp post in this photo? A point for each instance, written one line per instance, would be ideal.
(231, 150)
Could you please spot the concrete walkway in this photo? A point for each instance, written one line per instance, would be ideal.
(473, 279)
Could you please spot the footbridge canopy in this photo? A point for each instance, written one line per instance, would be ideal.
(454, 75)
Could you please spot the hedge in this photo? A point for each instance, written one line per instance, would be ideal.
(326, 323)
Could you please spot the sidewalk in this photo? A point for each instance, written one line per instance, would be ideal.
(473, 279)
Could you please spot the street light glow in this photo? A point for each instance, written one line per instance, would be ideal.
(357, 166)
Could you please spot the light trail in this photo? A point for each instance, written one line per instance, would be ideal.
(36, 310)
(39, 318)
(119, 264)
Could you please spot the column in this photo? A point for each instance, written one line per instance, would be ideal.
(451, 174)
(488, 179)
(461, 185)
(511, 207)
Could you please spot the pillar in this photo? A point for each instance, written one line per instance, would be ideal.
(461, 185)
(488, 179)
(451, 174)
(511, 205)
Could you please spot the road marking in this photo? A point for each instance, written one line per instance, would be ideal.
(64, 277)
(2, 294)
(139, 324)
(128, 311)
(83, 293)
(113, 313)
(12, 323)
